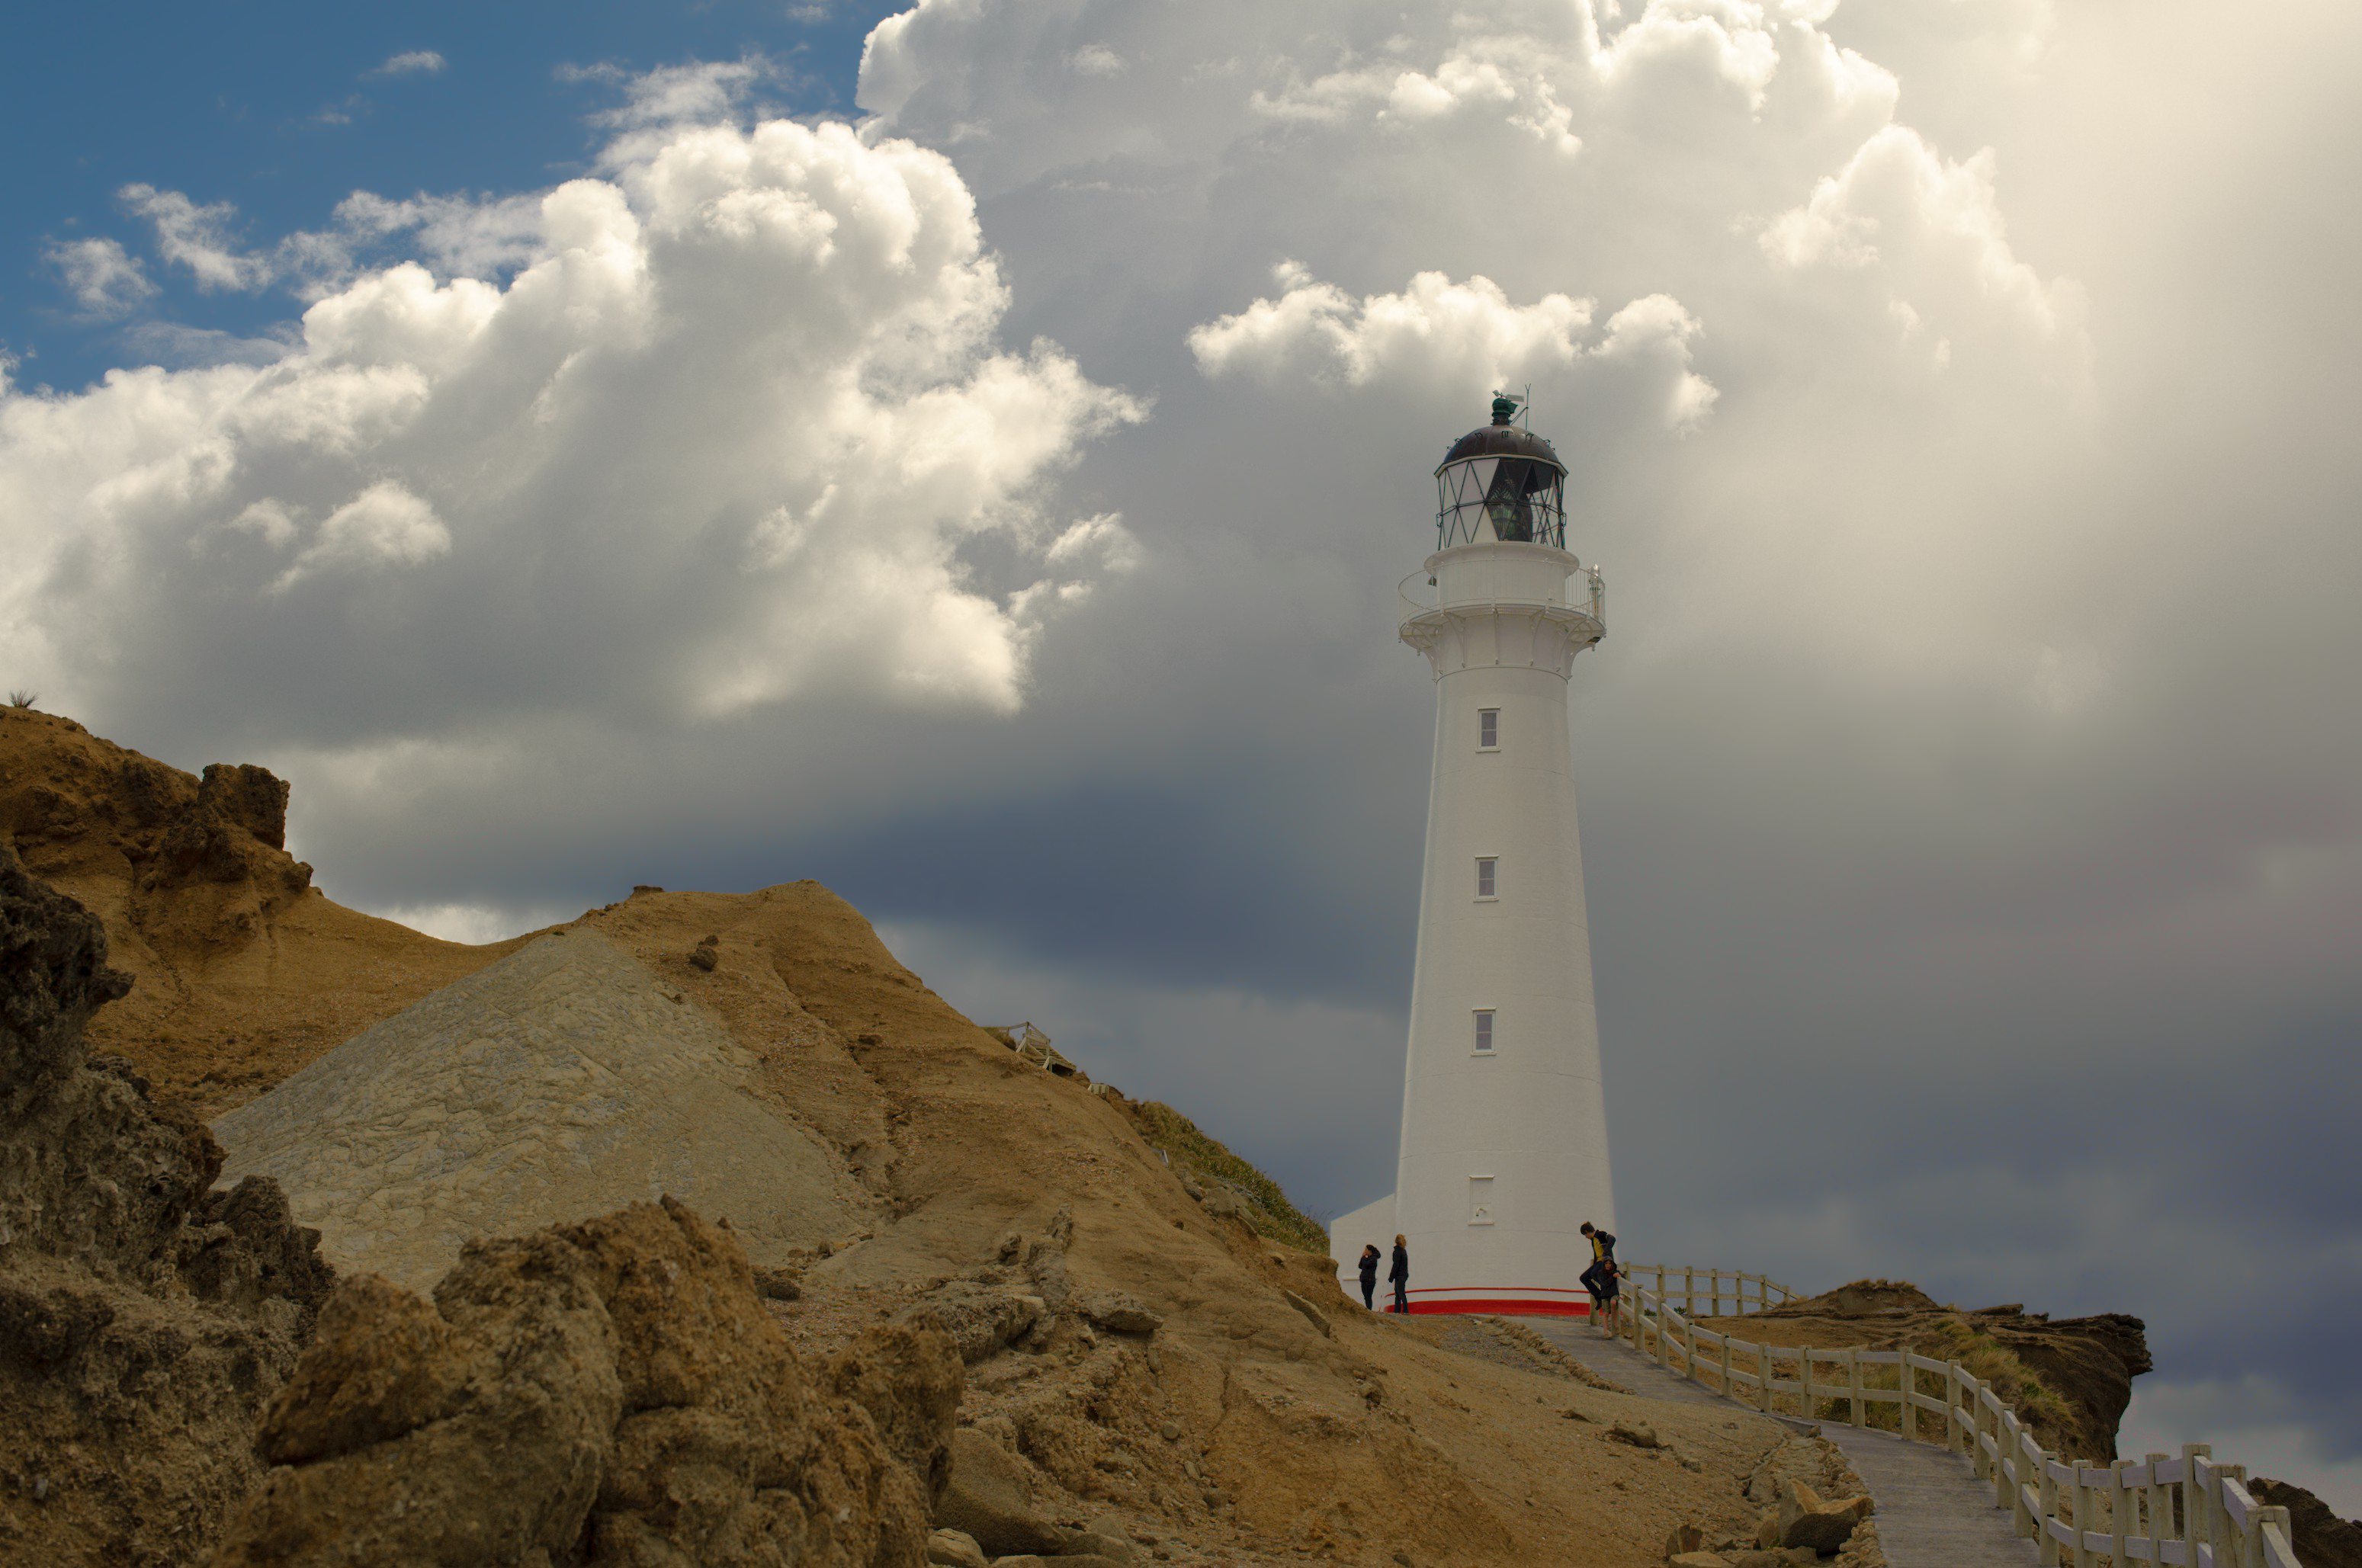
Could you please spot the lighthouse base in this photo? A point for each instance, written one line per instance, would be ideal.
(1372, 1224)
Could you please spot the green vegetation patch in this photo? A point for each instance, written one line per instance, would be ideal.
(1209, 1160)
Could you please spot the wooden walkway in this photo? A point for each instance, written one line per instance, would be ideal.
(1932, 1511)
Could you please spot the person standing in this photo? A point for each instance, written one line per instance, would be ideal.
(1399, 1274)
(1370, 1275)
(1600, 1277)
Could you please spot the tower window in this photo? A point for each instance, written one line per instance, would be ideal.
(1483, 1031)
(1488, 879)
(1488, 729)
(1480, 1200)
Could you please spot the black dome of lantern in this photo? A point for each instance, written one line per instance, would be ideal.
(1501, 482)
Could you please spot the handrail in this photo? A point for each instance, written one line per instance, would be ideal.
(2186, 1513)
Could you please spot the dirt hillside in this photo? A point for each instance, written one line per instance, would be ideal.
(564, 1080)
(244, 971)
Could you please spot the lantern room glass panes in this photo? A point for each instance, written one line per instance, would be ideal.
(1522, 500)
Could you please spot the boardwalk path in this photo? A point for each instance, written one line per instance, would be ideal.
(1932, 1512)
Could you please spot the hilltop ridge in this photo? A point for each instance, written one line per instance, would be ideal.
(242, 970)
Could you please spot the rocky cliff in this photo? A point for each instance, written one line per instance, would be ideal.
(245, 971)
(145, 1319)
(2070, 1377)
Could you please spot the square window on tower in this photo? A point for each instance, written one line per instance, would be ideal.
(1483, 1031)
(1488, 729)
(1488, 878)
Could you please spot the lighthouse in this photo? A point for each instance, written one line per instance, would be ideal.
(1504, 1151)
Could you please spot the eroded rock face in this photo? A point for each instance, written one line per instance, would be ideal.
(2089, 1363)
(612, 1392)
(144, 1318)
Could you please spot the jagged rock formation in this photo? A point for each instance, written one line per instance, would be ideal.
(144, 1318)
(245, 971)
(605, 1392)
(2070, 1377)
(561, 1082)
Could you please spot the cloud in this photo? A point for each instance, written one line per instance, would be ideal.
(698, 91)
(384, 525)
(411, 63)
(736, 428)
(105, 279)
(1464, 337)
(1933, 227)
(198, 237)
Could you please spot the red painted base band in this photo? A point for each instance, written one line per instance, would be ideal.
(1505, 1306)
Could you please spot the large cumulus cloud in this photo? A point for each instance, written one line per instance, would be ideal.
(718, 442)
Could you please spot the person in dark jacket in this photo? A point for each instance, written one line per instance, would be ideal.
(1370, 1275)
(1600, 1277)
(1399, 1275)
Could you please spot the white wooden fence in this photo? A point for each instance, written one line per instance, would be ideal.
(2185, 1513)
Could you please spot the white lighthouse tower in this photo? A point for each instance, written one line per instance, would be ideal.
(1504, 1148)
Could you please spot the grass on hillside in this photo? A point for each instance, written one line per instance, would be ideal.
(1209, 1160)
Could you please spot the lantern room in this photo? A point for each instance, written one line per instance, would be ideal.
(1501, 481)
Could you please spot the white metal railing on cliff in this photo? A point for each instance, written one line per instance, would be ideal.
(2183, 1513)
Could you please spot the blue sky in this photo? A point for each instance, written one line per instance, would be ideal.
(284, 110)
(986, 492)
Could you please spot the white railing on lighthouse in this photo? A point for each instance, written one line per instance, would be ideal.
(2190, 1512)
(1415, 596)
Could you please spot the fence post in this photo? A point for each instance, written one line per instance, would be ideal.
(2236, 1543)
(1951, 1407)
(2019, 1516)
(2197, 1500)
(2046, 1544)
(2270, 1515)
(2117, 1508)
(1728, 1392)
(1853, 1383)
(2159, 1507)
(2082, 1515)
(1805, 1378)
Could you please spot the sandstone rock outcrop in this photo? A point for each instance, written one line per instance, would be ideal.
(607, 1392)
(144, 1318)
(2081, 1368)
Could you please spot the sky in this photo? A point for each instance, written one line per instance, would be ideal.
(966, 454)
